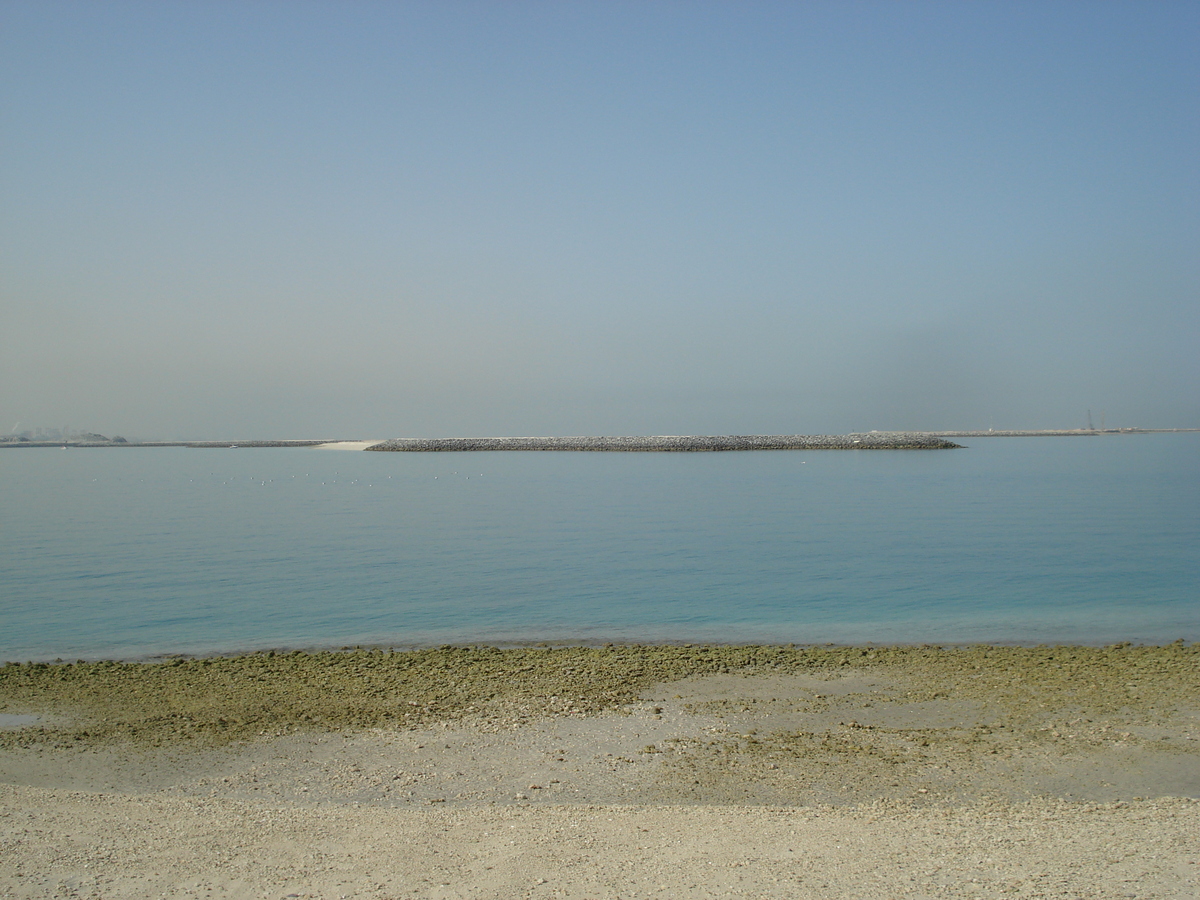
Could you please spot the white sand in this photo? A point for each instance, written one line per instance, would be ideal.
(347, 445)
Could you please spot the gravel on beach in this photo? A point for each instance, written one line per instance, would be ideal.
(219, 699)
(618, 771)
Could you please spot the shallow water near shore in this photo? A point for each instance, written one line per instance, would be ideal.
(126, 553)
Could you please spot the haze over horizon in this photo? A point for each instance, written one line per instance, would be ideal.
(302, 220)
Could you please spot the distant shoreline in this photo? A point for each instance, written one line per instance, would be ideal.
(210, 445)
(675, 443)
(891, 440)
(1063, 432)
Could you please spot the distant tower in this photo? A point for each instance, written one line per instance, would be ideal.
(1091, 427)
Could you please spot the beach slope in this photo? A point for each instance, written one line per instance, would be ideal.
(608, 772)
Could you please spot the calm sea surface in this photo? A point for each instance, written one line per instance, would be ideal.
(138, 552)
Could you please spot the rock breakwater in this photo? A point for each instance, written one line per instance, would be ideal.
(679, 443)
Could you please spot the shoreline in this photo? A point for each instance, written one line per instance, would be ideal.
(357, 688)
(901, 440)
(485, 644)
(614, 772)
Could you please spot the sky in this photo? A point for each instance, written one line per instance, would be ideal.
(404, 219)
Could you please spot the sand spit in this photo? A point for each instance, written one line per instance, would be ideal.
(346, 445)
(679, 443)
(622, 771)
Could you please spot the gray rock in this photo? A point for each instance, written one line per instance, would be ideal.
(678, 443)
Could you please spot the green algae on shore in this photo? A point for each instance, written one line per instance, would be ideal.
(219, 700)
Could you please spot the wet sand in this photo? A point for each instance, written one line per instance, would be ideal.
(608, 772)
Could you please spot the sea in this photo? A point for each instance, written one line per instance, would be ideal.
(141, 553)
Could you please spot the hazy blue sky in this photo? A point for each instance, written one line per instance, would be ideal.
(369, 219)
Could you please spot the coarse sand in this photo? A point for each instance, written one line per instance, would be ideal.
(615, 772)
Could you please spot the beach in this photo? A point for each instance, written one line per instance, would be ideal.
(618, 771)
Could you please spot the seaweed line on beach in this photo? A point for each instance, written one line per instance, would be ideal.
(219, 700)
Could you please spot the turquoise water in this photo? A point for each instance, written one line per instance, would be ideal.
(137, 552)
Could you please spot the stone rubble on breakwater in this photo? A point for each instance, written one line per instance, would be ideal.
(680, 443)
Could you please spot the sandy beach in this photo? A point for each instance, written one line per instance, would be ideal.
(607, 772)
